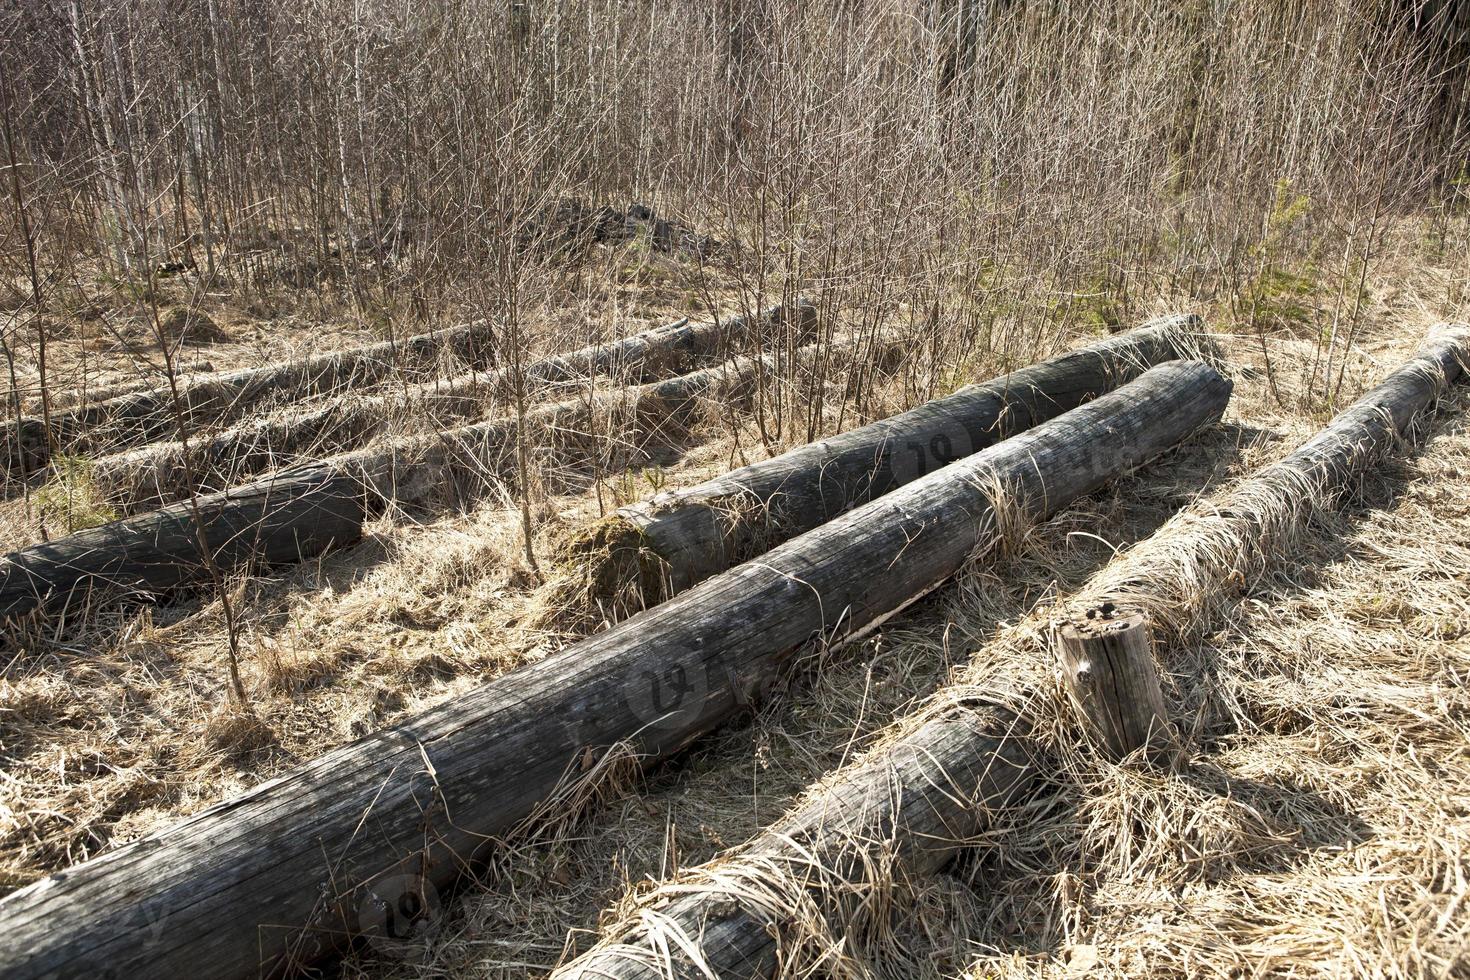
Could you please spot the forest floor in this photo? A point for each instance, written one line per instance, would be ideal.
(1328, 836)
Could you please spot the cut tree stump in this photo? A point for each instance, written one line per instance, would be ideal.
(159, 474)
(306, 509)
(702, 530)
(879, 814)
(1107, 663)
(283, 874)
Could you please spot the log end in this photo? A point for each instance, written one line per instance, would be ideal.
(611, 571)
(1100, 621)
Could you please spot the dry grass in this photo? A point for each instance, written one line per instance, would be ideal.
(115, 727)
(1318, 829)
(1265, 164)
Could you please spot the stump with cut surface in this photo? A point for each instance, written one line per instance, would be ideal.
(1107, 663)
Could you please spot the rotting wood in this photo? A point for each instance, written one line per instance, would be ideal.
(695, 532)
(723, 929)
(1107, 663)
(218, 399)
(304, 510)
(162, 473)
(916, 799)
(279, 875)
(141, 416)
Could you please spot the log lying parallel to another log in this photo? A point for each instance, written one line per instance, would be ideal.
(693, 533)
(288, 871)
(937, 779)
(207, 400)
(305, 510)
(665, 350)
(162, 473)
(149, 415)
(908, 806)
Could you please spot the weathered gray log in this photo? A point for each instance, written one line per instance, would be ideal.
(218, 399)
(692, 533)
(1224, 544)
(324, 504)
(1107, 664)
(208, 400)
(158, 474)
(279, 875)
(1376, 423)
(666, 350)
(737, 939)
(272, 522)
(917, 800)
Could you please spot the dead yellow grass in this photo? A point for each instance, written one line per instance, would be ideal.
(1322, 827)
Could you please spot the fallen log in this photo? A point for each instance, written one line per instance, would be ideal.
(285, 873)
(665, 350)
(307, 509)
(208, 401)
(908, 806)
(162, 473)
(937, 779)
(681, 537)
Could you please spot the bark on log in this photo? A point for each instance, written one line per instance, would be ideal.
(278, 876)
(324, 504)
(696, 532)
(1107, 663)
(738, 940)
(1376, 423)
(666, 350)
(159, 474)
(148, 415)
(916, 800)
(209, 400)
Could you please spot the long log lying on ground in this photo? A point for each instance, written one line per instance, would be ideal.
(907, 806)
(664, 350)
(142, 416)
(162, 473)
(149, 415)
(937, 778)
(287, 871)
(304, 510)
(689, 534)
